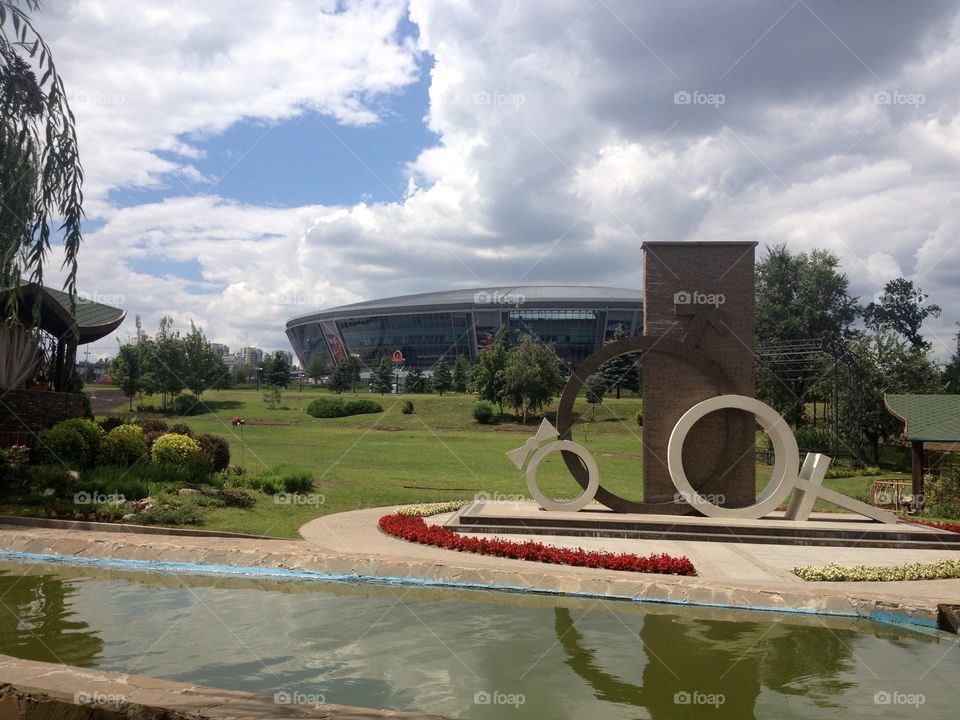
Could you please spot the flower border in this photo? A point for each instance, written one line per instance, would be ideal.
(413, 529)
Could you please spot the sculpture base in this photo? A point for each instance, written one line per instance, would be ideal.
(828, 529)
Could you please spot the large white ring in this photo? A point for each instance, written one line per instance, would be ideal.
(786, 457)
(593, 474)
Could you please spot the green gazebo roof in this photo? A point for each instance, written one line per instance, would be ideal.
(927, 418)
(92, 320)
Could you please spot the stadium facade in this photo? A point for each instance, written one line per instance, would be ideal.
(425, 327)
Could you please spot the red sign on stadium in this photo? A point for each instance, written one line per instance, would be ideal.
(397, 356)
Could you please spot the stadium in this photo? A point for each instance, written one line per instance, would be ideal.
(425, 327)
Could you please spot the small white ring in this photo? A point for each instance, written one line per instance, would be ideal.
(593, 474)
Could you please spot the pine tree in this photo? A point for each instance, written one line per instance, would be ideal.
(461, 374)
(442, 380)
(416, 382)
(381, 380)
(620, 372)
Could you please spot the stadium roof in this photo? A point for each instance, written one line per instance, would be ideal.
(484, 298)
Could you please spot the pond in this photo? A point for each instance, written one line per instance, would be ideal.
(473, 654)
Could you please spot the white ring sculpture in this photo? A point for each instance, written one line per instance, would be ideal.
(786, 465)
(593, 475)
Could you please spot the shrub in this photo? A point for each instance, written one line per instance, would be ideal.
(813, 439)
(943, 495)
(69, 444)
(173, 513)
(187, 404)
(483, 412)
(289, 479)
(49, 476)
(639, 418)
(181, 429)
(215, 449)
(92, 435)
(109, 423)
(238, 498)
(112, 480)
(407, 407)
(154, 425)
(335, 407)
(326, 408)
(174, 449)
(297, 482)
(123, 446)
(362, 407)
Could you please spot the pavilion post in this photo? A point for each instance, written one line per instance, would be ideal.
(917, 470)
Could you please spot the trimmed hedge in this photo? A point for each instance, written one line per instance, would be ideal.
(336, 407)
(123, 446)
(174, 449)
(74, 442)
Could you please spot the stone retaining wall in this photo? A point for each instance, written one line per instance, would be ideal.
(32, 410)
(31, 690)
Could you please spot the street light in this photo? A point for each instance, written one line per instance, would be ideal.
(259, 370)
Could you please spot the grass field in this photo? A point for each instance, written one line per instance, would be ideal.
(438, 453)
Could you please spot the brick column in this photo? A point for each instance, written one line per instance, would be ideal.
(717, 278)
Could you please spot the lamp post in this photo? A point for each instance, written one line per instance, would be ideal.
(259, 371)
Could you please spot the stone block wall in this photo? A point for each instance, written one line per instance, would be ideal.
(29, 411)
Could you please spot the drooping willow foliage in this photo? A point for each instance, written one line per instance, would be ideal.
(40, 173)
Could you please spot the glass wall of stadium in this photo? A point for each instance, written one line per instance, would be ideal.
(575, 320)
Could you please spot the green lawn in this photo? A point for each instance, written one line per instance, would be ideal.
(438, 453)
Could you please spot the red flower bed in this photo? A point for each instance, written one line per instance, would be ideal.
(414, 529)
(949, 527)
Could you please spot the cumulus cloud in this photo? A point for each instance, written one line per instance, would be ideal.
(565, 139)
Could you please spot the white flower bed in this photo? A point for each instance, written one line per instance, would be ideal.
(428, 509)
(939, 570)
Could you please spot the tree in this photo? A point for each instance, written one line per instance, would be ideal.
(341, 379)
(621, 372)
(126, 371)
(277, 371)
(40, 170)
(596, 388)
(415, 382)
(531, 377)
(461, 374)
(901, 309)
(951, 372)
(381, 380)
(317, 368)
(201, 363)
(488, 373)
(442, 381)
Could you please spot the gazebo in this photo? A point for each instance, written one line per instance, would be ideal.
(927, 419)
(67, 328)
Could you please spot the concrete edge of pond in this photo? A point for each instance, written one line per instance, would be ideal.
(386, 559)
(34, 690)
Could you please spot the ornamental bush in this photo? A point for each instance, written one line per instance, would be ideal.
(326, 408)
(943, 495)
(187, 404)
(407, 407)
(362, 407)
(123, 446)
(174, 449)
(216, 449)
(236, 497)
(483, 412)
(152, 425)
(72, 442)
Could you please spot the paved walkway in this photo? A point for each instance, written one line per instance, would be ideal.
(731, 575)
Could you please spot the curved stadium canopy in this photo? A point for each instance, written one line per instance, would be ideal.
(428, 326)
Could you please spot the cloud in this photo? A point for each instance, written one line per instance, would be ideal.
(565, 140)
